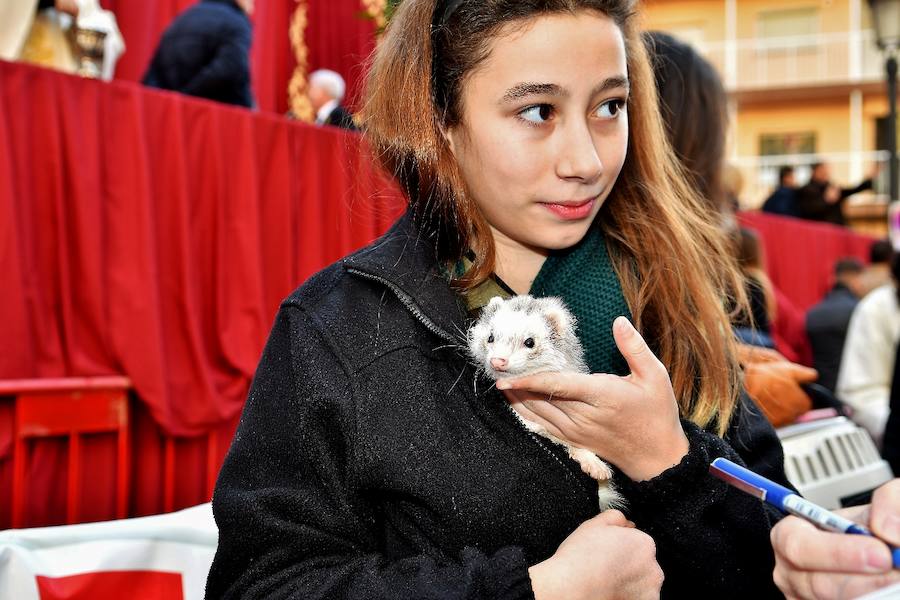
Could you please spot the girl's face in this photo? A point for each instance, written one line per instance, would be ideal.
(544, 130)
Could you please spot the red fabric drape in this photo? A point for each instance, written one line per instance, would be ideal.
(337, 37)
(154, 235)
(800, 255)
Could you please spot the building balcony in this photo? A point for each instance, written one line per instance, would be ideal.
(826, 59)
(867, 212)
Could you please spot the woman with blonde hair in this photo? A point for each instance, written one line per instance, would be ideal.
(372, 461)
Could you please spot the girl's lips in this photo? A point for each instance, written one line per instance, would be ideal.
(571, 211)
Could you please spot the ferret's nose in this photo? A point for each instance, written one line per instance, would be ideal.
(499, 364)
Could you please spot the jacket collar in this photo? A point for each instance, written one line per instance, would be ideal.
(230, 3)
(405, 261)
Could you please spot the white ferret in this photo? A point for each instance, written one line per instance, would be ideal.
(525, 335)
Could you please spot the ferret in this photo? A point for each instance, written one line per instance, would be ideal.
(525, 335)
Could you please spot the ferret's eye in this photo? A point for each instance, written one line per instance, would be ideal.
(491, 339)
(529, 343)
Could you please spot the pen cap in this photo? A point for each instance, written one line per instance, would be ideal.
(767, 490)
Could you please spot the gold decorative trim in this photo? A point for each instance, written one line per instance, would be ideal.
(298, 101)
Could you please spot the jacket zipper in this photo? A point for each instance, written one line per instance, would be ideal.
(411, 305)
(408, 302)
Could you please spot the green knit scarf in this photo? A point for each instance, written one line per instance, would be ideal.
(583, 276)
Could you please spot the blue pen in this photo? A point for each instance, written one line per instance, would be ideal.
(787, 501)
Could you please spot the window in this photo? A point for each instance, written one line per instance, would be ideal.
(787, 23)
(780, 144)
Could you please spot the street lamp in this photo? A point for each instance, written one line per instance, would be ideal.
(886, 14)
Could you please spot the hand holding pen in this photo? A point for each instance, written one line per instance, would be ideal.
(813, 563)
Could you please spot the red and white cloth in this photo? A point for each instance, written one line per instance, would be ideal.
(163, 557)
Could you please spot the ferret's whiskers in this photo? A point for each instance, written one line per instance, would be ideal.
(457, 380)
(444, 347)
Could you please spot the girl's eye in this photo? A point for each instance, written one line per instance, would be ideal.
(491, 339)
(537, 114)
(529, 343)
(611, 108)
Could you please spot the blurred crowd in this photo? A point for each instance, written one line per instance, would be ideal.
(853, 331)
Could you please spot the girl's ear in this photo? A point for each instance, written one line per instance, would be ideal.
(450, 134)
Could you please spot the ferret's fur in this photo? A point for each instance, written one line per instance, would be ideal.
(501, 333)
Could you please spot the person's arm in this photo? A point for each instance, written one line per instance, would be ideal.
(864, 379)
(712, 537)
(811, 563)
(865, 185)
(229, 67)
(291, 523)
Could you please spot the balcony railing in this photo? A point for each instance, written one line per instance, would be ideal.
(760, 173)
(802, 60)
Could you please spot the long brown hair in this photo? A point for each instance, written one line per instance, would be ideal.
(672, 260)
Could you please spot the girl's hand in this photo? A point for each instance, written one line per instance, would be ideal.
(606, 557)
(632, 422)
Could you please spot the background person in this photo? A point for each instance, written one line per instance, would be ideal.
(205, 52)
(878, 271)
(827, 321)
(867, 363)
(821, 200)
(783, 200)
(326, 92)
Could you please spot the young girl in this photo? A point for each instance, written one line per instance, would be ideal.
(371, 461)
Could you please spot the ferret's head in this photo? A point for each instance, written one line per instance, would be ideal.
(519, 336)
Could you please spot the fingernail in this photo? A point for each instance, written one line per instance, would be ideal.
(503, 385)
(878, 560)
(622, 324)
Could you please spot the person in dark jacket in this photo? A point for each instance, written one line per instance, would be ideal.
(821, 200)
(783, 200)
(373, 460)
(326, 92)
(827, 321)
(205, 52)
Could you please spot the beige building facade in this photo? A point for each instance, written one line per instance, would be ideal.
(806, 82)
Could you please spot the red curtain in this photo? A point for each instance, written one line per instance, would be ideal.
(800, 255)
(154, 235)
(337, 36)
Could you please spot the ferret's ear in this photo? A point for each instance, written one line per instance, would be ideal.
(492, 306)
(558, 316)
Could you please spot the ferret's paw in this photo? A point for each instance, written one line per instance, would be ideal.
(591, 464)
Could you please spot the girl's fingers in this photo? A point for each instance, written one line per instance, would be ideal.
(641, 360)
(569, 386)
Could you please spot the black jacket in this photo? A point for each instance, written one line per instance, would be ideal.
(826, 328)
(205, 52)
(341, 117)
(371, 463)
(811, 202)
(783, 201)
